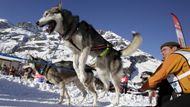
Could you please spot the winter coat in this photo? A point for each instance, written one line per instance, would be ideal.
(175, 64)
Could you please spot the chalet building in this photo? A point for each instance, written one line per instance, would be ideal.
(10, 62)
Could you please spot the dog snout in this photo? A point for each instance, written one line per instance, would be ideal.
(37, 23)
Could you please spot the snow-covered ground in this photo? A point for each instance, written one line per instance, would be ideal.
(17, 95)
(16, 92)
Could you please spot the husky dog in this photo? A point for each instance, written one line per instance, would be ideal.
(62, 73)
(144, 78)
(150, 93)
(84, 40)
(145, 75)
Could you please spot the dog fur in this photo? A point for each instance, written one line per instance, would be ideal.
(62, 73)
(84, 40)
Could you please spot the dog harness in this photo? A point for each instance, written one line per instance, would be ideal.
(68, 36)
(173, 79)
(104, 53)
(45, 67)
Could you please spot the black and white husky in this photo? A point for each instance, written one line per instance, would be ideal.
(84, 40)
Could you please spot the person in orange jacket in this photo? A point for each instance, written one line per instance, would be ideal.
(176, 69)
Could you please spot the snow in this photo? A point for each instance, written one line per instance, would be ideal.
(18, 95)
(3, 20)
(16, 92)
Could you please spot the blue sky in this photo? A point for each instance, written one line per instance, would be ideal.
(149, 17)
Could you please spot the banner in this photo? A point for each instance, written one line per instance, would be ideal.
(179, 31)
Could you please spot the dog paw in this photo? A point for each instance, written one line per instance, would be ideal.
(115, 102)
(82, 100)
(103, 95)
(59, 102)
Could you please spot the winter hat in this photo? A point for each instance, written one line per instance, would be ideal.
(171, 43)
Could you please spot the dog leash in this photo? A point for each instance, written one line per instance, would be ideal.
(47, 65)
(56, 48)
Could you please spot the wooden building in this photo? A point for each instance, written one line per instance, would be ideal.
(10, 61)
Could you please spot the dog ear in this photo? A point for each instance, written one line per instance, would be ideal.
(60, 5)
(30, 58)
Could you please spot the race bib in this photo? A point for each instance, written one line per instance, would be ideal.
(173, 80)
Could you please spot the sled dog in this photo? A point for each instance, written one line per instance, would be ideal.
(84, 40)
(62, 73)
(145, 75)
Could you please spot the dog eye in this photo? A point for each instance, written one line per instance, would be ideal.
(45, 14)
(57, 10)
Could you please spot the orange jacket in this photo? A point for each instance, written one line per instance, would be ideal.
(174, 64)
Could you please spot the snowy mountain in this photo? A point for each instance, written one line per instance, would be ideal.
(4, 23)
(25, 39)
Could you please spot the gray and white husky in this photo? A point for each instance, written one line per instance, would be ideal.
(84, 40)
(62, 73)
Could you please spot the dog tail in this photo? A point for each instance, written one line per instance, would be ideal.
(136, 42)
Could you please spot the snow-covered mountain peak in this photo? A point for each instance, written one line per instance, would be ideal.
(4, 23)
(27, 26)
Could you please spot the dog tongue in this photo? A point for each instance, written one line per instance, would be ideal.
(48, 30)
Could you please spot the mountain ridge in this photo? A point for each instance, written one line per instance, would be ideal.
(25, 39)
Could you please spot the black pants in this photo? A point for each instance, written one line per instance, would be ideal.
(164, 94)
(182, 101)
(163, 99)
